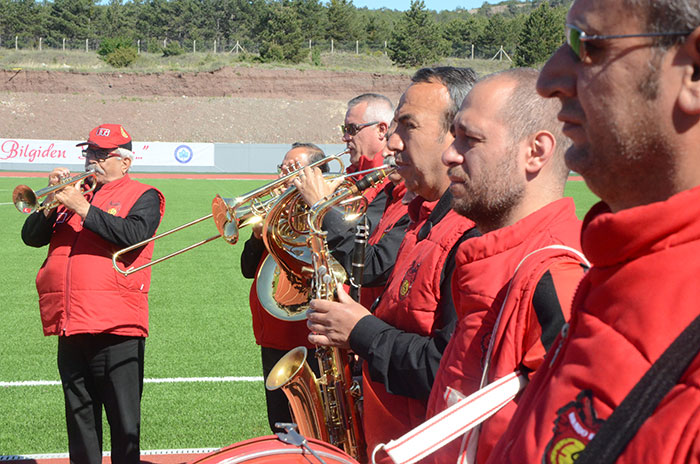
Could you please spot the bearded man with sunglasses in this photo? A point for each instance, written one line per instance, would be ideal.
(629, 82)
(99, 315)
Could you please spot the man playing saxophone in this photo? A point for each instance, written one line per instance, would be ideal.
(402, 342)
(100, 317)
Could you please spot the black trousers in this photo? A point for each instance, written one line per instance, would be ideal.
(102, 370)
(277, 403)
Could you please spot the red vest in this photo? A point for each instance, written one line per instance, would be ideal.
(483, 275)
(395, 210)
(271, 332)
(641, 292)
(409, 301)
(79, 290)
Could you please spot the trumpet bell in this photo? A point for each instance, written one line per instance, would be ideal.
(24, 199)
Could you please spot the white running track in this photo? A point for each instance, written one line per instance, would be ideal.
(37, 383)
(22, 457)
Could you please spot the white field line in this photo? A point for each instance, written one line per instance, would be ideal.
(21, 457)
(38, 383)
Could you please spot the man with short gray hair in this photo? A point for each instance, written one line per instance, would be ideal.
(367, 121)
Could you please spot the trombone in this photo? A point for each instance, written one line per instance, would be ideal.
(230, 215)
(27, 200)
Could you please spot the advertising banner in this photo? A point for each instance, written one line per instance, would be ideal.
(64, 152)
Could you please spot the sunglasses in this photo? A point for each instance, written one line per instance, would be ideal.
(352, 128)
(99, 155)
(576, 38)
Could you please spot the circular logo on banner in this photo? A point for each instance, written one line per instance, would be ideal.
(183, 154)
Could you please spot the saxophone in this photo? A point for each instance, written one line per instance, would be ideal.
(326, 408)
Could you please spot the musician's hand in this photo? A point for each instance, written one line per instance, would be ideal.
(313, 187)
(331, 322)
(57, 175)
(72, 198)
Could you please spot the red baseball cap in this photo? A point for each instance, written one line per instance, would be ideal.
(108, 136)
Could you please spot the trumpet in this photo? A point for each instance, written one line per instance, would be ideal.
(27, 200)
(230, 215)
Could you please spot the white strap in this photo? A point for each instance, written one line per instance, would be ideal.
(467, 453)
(454, 421)
(489, 352)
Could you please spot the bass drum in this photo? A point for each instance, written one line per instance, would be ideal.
(269, 449)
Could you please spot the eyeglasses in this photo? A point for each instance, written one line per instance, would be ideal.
(352, 128)
(576, 38)
(99, 155)
(288, 168)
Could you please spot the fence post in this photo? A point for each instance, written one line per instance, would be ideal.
(385, 48)
(40, 38)
(472, 51)
(331, 45)
(165, 42)
(16, 44)
(194, 46)
(86, 45)
(357, 47)
(309, 44)
(214, 45)
(138, 47)
(64, 44)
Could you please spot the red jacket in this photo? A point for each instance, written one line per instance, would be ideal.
(484, 273)
(271, 332)
(409, 303)
(79, 290)
(395, 210)
(640, 294)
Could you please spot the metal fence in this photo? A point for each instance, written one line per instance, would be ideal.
(242, 45)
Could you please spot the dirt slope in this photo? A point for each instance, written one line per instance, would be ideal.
(237, 105)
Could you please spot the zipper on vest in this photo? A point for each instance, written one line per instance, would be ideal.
(68, 266)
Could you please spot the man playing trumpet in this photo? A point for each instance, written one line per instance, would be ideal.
(100, 316)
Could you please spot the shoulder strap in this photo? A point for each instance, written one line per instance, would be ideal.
(489, 352)
(640, 403)
(444, 206)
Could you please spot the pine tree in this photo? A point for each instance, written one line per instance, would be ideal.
(343, 23)
(541, 36)
(282, 38)
(416, 39)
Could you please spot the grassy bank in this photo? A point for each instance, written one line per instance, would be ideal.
(81, 61)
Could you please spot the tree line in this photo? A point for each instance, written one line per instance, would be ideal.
(281, 30)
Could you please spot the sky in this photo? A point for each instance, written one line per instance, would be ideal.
(436, 5)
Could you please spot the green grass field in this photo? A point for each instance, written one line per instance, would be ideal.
(200, 327)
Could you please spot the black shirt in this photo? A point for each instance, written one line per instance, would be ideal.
(380, 257)
(140, 223)
(406, 363)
